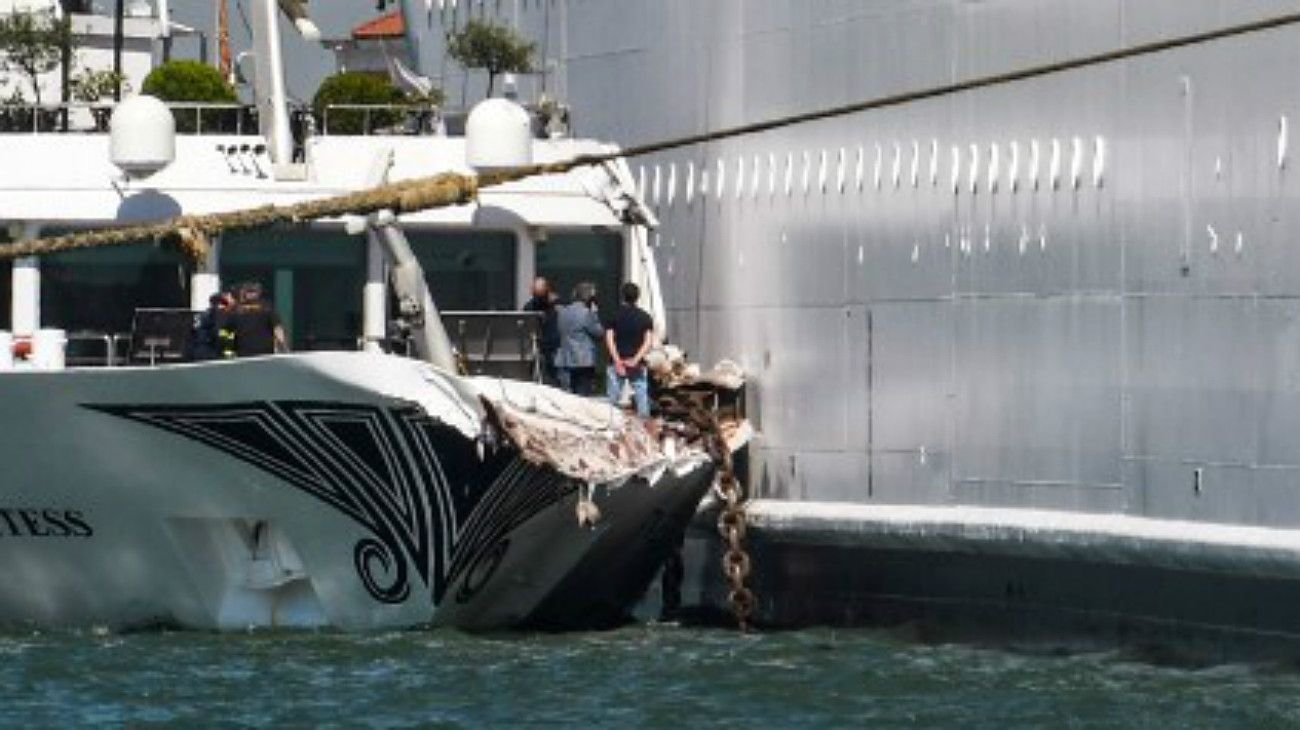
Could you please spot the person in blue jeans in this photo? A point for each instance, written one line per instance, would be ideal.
(629, 339)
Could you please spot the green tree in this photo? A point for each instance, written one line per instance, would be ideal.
(195, 83)
(32, 44)
(192, 81)
(360, 88)
(91, 85)
(491, 47)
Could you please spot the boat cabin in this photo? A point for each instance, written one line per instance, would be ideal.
(327, 279)
(479, 258)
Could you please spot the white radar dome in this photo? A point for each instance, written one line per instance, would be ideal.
(142, 136)
(498, 133)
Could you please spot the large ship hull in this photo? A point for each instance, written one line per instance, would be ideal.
(1072, 294)
(345, 490)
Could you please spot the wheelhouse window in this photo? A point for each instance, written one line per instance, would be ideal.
(6, 288)
(471, 271)
(567, 258)
(99, 290)
(314, 278)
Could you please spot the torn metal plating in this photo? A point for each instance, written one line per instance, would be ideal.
(596, 443)
(582, 438)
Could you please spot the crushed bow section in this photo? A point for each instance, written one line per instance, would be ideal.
(587, 440)
(701, 422)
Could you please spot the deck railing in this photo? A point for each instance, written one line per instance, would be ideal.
(382, 119)
(93, 117)
(194, 118)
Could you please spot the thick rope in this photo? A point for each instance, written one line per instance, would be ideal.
(452, 189)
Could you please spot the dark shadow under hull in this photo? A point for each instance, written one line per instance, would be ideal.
(1185, 617)
(601, 591)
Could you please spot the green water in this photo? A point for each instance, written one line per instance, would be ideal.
(638, 677)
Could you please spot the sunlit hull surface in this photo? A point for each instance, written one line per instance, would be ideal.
(341, 489)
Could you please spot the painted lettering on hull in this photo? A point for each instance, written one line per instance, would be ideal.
(29, 522)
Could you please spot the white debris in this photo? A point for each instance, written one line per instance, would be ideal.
(582, 438)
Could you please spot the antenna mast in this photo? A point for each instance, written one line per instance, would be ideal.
(223, 40)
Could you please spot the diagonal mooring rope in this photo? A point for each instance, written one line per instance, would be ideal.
(451, 189)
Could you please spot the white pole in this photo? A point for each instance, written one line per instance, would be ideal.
(206, 279)
(525, 264)
(374, 299)
(25, 313)
(269, 88)
(165, 18)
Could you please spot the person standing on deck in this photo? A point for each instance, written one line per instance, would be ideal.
(580, 330)
(256, 325)
(629, 339)
(206, 340)
(545, 301)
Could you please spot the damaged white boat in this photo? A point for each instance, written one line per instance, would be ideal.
(328, 489)
(355, 489)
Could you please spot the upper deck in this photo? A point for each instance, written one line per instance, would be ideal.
(477, 257)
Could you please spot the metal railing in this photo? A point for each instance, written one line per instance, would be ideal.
(209, 118)
(93, 117)
(382, 119)
(96, 349)
(501, 344)
(422, 119)
(194, 118)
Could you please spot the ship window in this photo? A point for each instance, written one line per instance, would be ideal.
(569, 258)
(99, 290)
(6, 291)
(467, 272)
(314, 278)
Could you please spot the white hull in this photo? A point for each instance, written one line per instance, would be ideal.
(340, 489)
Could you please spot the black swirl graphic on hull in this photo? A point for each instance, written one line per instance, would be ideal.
(370, 552)
(433, 508)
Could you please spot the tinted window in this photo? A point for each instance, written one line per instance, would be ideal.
(468, 271)
(6, 292)
(314, 279)
(568, 258)
(99, 290)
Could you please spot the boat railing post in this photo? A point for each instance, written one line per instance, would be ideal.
(118, 339)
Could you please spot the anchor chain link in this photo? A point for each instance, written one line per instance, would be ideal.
(737, 566)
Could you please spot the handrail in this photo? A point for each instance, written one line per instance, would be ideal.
(109, 342)
(31, 117)
(425, 116)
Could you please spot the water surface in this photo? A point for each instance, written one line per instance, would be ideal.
(648, 676)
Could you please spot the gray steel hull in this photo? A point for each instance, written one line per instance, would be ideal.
(1079, 293)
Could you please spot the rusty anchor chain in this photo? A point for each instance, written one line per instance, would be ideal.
(737, 566)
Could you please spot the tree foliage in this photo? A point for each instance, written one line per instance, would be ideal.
(32, 44)
(491, 47)
(360, 88)
(95, 85)
(196, 83)
(192, 81)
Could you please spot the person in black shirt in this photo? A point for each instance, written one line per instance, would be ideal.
(205, 343)
(544, 300)
(255, 324)
(629, 339)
